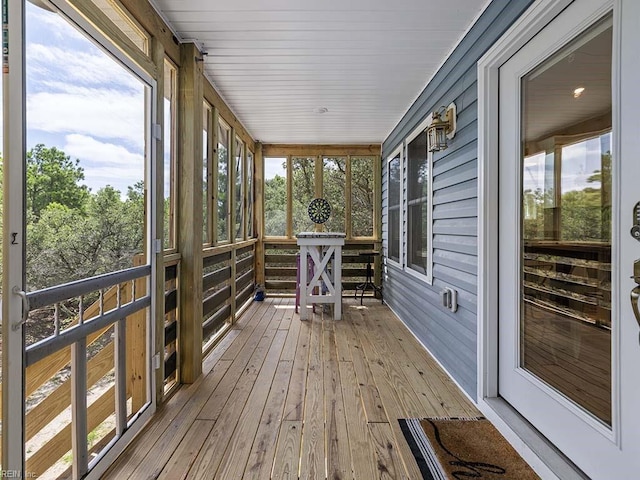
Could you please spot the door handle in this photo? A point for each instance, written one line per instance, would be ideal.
(25, 308)
(635, 296)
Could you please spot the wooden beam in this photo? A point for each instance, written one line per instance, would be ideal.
(232, 216)
(348, 199)
(259, 212)
(282, 150)
(318, 180)
(158, 56)
(147, 16)
(289, 228)
(190, 213)
(377, 218)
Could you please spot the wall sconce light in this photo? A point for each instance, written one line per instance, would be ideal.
(442, 128)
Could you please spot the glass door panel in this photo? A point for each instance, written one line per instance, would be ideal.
(565, 299)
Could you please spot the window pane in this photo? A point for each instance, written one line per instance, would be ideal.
(334, 183)
(417, 204)
(86, 156)
(275, 197)
(239, 187)
(303, 171)
(394, 209)
(585, 213)
(206, 113)
(223, 181)
(565, 265)
(362, 197)
(170, 125)
(250, 194)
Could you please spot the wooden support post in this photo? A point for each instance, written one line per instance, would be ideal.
(348, 199)
(214, 176)
(231, 179)
(377, 219)
(290, 233)
(158, 55)
(136, 346)
(190, 213)
(319, 185)
(258, 203)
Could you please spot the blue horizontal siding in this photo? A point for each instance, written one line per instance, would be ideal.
(450, 337)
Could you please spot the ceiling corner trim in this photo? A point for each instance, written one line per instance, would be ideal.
(165, 20)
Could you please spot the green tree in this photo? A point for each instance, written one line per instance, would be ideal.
(52, 177)
(334, 190)
(275, 206)
(68, 244)
(581, 215)
(303, 171)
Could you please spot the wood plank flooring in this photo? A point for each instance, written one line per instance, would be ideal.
(285, 399)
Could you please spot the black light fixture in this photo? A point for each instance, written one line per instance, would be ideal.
(442, 128)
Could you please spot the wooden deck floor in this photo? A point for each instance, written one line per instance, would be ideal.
(283, 399)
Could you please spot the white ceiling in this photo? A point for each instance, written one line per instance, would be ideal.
(275, 62)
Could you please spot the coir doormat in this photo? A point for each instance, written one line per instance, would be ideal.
(463, 448)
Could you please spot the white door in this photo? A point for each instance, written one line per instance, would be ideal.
(568, 339)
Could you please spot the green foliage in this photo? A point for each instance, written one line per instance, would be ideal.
(52, 177)
(275, 206)
(303, 192)
(585, 215)
(334, 190)
(223, 193)
(71, 232)
(68, 244)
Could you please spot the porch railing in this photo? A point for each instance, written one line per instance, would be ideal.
(227, 284)
(87, 382)
(280, 265)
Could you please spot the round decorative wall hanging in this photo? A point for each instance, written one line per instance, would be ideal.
(319, 210)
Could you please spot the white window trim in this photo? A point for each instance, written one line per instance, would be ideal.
(399, 151)
(428, 277)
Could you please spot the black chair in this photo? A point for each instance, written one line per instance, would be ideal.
(367, 256)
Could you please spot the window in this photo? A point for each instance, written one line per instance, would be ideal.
(250, 194)
(418, 205)
(304, 190)
(347, 182)
(206, 115)
(239, 190)
(362, 196)
(394, 217)
(410, 205)
(334, 190)
(224, 142)
(275, 197)
(170, 128)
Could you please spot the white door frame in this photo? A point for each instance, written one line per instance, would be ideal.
(14, 149)
(526, 440)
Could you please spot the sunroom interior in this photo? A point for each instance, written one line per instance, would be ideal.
(147, 347)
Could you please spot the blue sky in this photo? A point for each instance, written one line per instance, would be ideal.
(83, 102)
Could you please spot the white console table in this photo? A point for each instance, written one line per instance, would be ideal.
(322, 247)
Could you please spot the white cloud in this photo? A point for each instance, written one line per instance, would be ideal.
(101, 113)
(54, 23)
(105, 163)
(78, 67)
